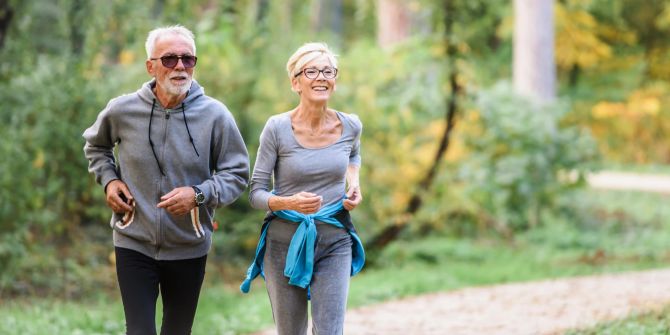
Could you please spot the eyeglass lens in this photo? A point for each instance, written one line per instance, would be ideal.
(172, 60)
(328, 73)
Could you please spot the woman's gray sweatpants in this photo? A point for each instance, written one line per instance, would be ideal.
(329, 286)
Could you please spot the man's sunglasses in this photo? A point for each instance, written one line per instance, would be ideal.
(172, 60)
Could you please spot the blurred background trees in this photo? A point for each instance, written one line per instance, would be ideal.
(429, 79)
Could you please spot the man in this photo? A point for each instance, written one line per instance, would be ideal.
(180, 155)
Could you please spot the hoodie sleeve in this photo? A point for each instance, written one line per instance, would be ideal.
(99, 148)
(231, 165)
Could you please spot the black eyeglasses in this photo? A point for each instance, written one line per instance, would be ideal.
(312, 72)
(170, 61)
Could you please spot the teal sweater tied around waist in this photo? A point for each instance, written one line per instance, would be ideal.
(300, 256)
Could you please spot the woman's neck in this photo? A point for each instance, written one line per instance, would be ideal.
(314, 115)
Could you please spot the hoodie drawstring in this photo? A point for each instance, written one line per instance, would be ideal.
(183, 110)
(151, 143)
(188, 131)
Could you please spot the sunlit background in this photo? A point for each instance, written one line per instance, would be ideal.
(474, 167)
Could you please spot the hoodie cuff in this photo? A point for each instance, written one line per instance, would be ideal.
(106, 178)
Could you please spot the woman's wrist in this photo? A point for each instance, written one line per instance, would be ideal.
(278, 203)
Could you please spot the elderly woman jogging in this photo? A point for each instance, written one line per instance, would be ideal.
(308, 247)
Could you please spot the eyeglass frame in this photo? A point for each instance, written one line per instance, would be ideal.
(319, 72)
(179, 57)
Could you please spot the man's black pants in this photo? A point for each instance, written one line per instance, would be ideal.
(140, 278)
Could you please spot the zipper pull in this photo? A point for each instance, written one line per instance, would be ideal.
(167, 115)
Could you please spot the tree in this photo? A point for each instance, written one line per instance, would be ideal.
(393, 22)
(534, 67)
(390, 233)
(6, 13)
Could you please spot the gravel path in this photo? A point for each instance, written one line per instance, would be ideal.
(610, 180)
(545, 307)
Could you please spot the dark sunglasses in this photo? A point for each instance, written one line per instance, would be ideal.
(171, 61)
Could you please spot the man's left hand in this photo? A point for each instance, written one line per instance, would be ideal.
(179, 201)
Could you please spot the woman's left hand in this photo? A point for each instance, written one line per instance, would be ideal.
(354, 197)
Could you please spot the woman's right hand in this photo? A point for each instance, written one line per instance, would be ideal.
(303, 202)
(306, 202)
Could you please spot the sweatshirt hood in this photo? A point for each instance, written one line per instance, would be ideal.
(146, 92)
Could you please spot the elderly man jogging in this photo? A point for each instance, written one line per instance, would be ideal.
(179, 156)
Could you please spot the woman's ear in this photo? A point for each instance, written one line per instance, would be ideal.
(295, 85)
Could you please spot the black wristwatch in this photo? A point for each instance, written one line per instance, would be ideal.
(199, 196)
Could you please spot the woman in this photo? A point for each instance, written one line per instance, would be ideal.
(308, 247)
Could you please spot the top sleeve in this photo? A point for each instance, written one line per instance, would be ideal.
(100, 139)
(231, 166)
(266, 158)
(355, 155)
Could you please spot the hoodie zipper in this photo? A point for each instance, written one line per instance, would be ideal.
(159, 239)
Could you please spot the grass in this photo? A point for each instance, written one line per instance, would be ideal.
(648, 168)
(655, 323)
(616, 232)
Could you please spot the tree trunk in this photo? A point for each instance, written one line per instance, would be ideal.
(393, 22)
(77, 15)
(157, 10)
(6, 14)
(262, 11)
(390, 233)
(534, 66)
(327, 14)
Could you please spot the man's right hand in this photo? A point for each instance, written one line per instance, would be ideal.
(115, 190)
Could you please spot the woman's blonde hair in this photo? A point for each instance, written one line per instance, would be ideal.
(307, 53)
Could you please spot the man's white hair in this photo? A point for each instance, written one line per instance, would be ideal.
(157, 33)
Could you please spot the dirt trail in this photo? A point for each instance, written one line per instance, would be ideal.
(545, 307)
(611, 180)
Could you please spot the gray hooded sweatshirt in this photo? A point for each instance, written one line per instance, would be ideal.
(216, 161)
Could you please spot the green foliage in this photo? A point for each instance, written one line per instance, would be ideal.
(522, 159)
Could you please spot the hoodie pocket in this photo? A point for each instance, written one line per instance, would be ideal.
(188, 229)
(125, 220)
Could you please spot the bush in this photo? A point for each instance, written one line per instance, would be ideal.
(522, 158)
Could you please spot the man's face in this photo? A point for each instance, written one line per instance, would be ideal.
(171, 81)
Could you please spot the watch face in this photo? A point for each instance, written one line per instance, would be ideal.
(199, 198)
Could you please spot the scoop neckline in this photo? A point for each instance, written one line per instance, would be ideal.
(295, 138)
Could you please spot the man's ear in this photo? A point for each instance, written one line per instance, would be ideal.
(150, 67)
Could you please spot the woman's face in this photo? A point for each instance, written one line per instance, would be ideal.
(316, 82)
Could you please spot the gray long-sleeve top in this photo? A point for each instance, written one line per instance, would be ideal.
(321, 171)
